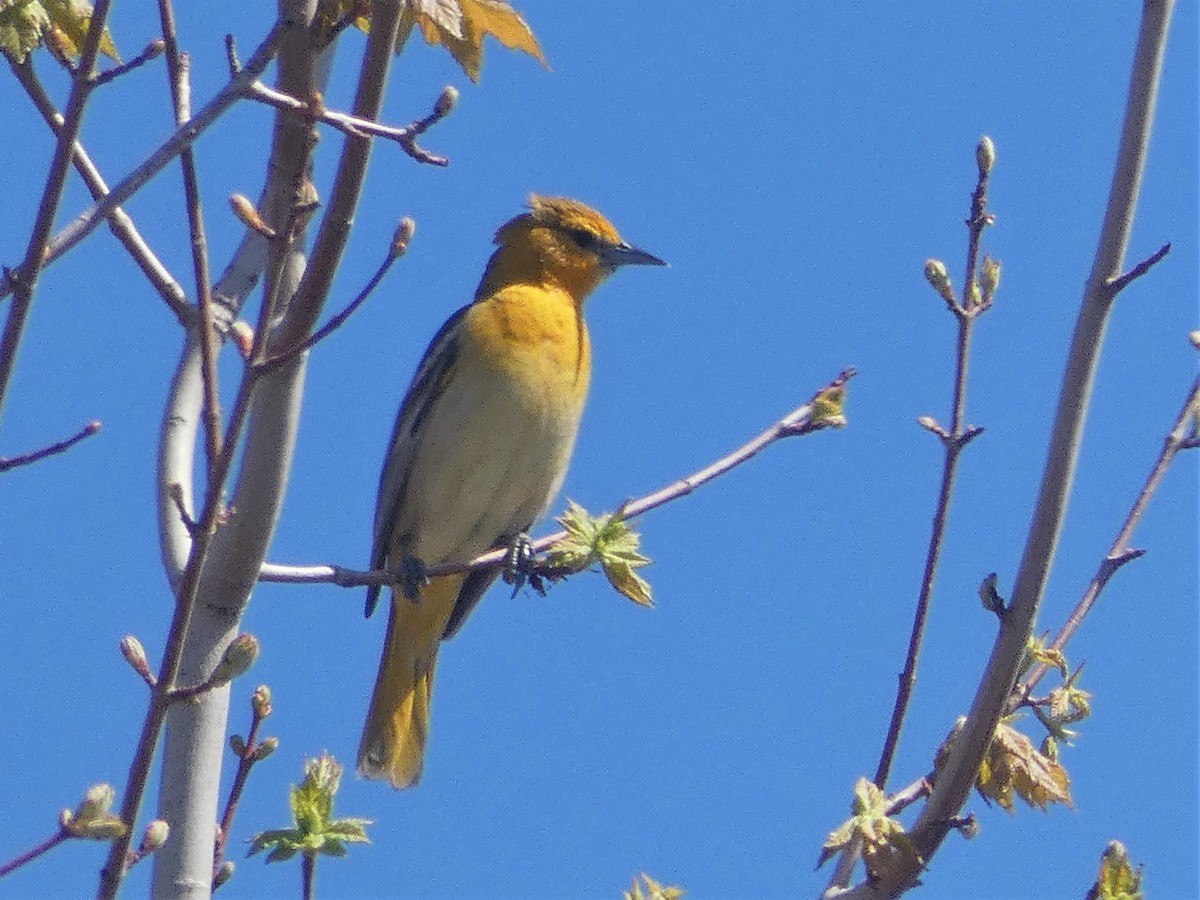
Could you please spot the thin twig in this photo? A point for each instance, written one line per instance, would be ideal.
(246, 760)
(178, 72)
(30, 855)
(56, 181)
(12, 462)
(1116, 285)
(953, 442)
(308, 875)
(395, 251)
(119, 222)
(86, 222)
(153, 50)
(1120, 552)
(355, 126)
(800, 421)
(957, 775)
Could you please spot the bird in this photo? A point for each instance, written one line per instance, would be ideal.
(480, 447)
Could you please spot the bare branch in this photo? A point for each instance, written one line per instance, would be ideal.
(183, 137)
(178, 77)
(12, 462)
(1119, 552)
(805, 419)
(1116, 285)
(967, 310)
(153, 50)
(355, 126)
(56, 181)
(119, 222)
(397, 249)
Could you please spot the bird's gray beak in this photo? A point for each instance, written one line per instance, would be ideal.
(617, 255)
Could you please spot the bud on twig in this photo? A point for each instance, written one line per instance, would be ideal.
(242, 333)
(96, 802)
(237, 744)
(248, 215)
(265, 749)
(91, 818)
(104, 828)
(155, 836)
(989, 278)
(939, 279)
(403, 236)
(224, 873)
(135, 655)
(260, 701)
(985, 156)
(446, 101)
(929, 423)
(238, 658)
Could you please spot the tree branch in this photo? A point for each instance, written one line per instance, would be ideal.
(953, 442)
(958, 775)
(12, 462)
(26, 281)
(86, 222)
(1119, 553)
(809, 418)
(119, 222)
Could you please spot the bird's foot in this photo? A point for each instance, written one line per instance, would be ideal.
(411, 577)
(520, 565)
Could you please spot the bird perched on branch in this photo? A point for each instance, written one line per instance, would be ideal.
(480, 448)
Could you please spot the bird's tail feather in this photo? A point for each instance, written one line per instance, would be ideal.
(397, 727)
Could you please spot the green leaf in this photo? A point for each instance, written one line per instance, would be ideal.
(1118, 879)
(881, 839)
(22, 23)
(71, 20)
(316, 831)
(605, 539)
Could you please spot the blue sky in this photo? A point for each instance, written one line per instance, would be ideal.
(796, 169)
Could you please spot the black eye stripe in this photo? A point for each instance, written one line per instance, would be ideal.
(582, 237)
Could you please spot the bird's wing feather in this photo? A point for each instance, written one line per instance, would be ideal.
(393, 480)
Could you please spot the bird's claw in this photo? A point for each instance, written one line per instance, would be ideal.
(519, 569)
(411, 577)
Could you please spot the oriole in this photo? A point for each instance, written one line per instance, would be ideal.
(480, 448)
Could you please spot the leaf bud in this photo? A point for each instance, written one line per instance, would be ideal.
(446, 101)
(985, 156)
(265, 748)
(242, 333)
(224, 873)
(155, 836)
(135, 655)
(102, 828)
(989, 278)
(403, 236)
(260, 701)
(237, 744)
(939, 279)
(238, 658)
(96, 802)
(248, 215)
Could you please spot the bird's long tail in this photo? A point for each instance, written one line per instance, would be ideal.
(393, 739)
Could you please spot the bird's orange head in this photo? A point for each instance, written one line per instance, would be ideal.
(559, 242)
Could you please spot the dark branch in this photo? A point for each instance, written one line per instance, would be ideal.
(13, 462)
